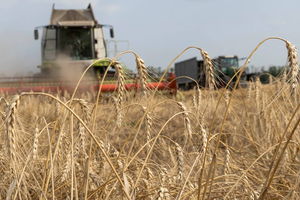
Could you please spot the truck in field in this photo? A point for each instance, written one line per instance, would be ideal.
(224, 69)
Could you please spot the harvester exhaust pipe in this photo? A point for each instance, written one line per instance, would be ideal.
(36, 34)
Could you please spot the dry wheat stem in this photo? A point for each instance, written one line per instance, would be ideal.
(180, 162)
(209, 70)
(188, 176)
(86, 118)
(23, 170)
(244, 173)
(35, 144)
(157, 155)
(142, 72)
(11, 137)
(293, 66)
(148, 124)
(120, 94)
(152, 146)
(89, 131)
(273, 170)
(163, 194)
(221, 128)
(187, 122)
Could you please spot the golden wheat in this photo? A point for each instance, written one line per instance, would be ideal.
(179, 147)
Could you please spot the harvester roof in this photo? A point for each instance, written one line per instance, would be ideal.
(72, 17)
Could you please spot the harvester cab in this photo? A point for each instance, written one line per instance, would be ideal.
(72, 41)
(226, 66)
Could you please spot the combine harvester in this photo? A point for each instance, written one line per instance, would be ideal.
(70, 43)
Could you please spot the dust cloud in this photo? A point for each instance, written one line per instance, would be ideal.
(68, 70)
(19, 54)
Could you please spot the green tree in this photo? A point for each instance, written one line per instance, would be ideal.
(276, 70)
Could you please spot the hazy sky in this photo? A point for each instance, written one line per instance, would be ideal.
(159, 29)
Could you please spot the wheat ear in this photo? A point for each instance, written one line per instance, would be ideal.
(142, 71)
(197, 100)
(180, 162)
(227, 161)
(86, 118)
(209, 70)
(35, 144)
(293, 66)
(227, 97)
(257, 93)
(187, 122)
(204, 140)
(121, 93)
(67, 168)
(148, 124)
(11, 137)
(163, 194)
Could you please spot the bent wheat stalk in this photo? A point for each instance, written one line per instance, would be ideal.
(11, 136)
(209, 70)
(293, 66)
(142, 72)
(121, 93)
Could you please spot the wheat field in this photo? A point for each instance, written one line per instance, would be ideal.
(203, 144)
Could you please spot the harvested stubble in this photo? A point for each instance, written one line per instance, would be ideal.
(163, 148)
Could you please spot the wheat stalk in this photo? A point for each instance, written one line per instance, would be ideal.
(85, 108)
(11, 188)
(86, 118)
(67, 168)
(187, 122)
(35, 144)
(191, 177)
(163, 194)
(180, 162)
(284, 77)
(142, 72)
(197, 100)
(10, 128)
(227, 160)
(121, 93)
(293, 66)
(209, 70)
(270, 77)
(148, 124)
(257, 93)
(204, 140)
(227, 97)
(249, 91)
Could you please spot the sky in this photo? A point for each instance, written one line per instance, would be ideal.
(158, 30)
